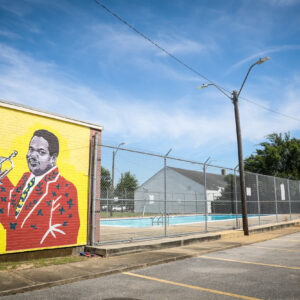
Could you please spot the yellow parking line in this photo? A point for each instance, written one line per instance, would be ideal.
(191, 286)
(249, 262)
(280, 240)
(280, 249)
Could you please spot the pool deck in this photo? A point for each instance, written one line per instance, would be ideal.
(153, 238)
(114, 234)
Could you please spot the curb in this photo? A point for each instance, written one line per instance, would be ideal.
(91, 276)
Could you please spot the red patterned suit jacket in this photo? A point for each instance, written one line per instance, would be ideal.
(49, 216)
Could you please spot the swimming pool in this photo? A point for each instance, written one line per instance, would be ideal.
(173, 220)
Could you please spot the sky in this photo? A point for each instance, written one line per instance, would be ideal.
(76, 59)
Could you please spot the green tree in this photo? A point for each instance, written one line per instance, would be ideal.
(126, 186)
(105, 180)
(225, 203)
(279, 156)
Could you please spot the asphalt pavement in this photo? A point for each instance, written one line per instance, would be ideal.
(13, 282)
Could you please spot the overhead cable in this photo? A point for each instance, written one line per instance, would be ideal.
(183, 63)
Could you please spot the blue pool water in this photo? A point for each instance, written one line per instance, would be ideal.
(173, 220)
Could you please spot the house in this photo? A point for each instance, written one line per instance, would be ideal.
(185, 192)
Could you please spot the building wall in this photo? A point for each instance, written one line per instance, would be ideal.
(183, 195)
(55, 212)
(212, 195)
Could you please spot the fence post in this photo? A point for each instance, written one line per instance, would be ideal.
(258, 200)
(236, 200)
(275, 193)
(165, 194)
(107, 202)
(165, 190)
(94, 188)
(205, 195)
(289, 195)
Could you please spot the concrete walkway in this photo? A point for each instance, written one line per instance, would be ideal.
(133, 256)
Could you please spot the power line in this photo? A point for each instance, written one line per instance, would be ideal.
(183, 63)
(269, 109)
(152, 42)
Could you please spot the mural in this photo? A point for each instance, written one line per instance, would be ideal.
(40, 207)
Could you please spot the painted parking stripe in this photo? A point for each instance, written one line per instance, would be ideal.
(272, 248)
(249, 262)
(191, 286)
(290, 240)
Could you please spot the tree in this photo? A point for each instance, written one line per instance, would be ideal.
(125, 190)
(105, 180)
(126, 186)
(229, 201)
(279, 156)
(225, 203)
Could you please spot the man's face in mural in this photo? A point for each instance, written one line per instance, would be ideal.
(38, 157)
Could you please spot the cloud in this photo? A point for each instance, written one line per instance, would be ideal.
(120, 44)
(282, 2)
(116, 39)
(257, 122)
(182, 46)
(42, 85)
(254, 57)
(119, 37)
(9, 34)
(15, 9)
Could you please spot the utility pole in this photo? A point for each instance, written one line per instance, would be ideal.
(241, 161)
(234, 98)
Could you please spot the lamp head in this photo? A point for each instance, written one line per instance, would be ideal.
(203, 86)
(262, 60)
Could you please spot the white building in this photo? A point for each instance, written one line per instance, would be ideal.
(185, 192)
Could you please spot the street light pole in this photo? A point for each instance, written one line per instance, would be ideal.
(241, 162)
(234, 98)
(113, 175)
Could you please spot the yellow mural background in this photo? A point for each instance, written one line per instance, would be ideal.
(16, 130)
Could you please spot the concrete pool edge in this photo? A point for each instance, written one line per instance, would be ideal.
(145, 222)
(108, 250)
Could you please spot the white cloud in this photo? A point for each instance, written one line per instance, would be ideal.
(123, 39)
(42, 85)
(254, 57)
(14, 8)
(257, 122)
(182, 46)
(283, 2)
(116, 40)
(9, 34)
(120, 44)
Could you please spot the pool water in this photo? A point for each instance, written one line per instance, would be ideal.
(173, 220)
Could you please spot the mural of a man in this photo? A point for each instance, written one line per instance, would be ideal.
(42, 209)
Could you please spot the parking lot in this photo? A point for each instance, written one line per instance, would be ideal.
(264, 270)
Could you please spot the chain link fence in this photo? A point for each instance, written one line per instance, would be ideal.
(147, 196)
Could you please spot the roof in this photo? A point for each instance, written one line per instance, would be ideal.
(213, 181)
(28, 109)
